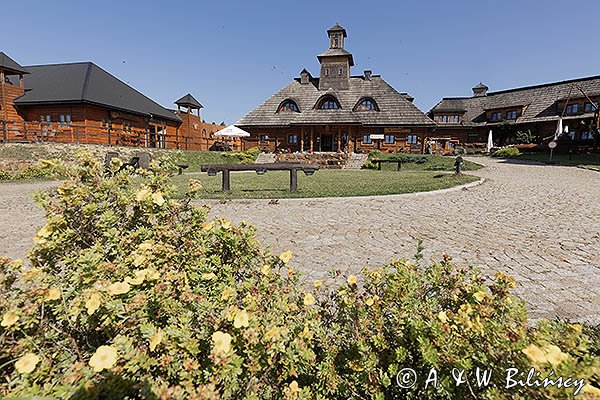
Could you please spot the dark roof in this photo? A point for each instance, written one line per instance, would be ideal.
(337, 28)
(538, 102)
(189, 100)
(395, 108)
(10, 65)
(85, 82)
(336, 53)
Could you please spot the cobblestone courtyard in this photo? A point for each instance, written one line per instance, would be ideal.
(540, 224)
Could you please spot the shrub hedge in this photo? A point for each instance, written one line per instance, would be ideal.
(129, 293)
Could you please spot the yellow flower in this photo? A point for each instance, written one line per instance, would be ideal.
(554, 355)
(307, 333)
(27, 363)
(479, 296)
(10, 318)
(52, 294)
(286, 256)
(227, 293)
(195, 185)
(118, 288)
(593, 391)
(309, 299)
(272, 333)
(158, 199)
(45, 232)
(221, 342)
(466, 309)
(265, 269)
(207, 226)
(352, 280)
(105, 357)
(293, 389)
(442, 316)
(317, 283)
(225, 224)
(142, 195)
(93, 303)
(31, 273)
(241, 319)
(576, 327)
(208, 276)
(146, 245)
(152, 274)
(139, 260)
(370, 301)
(535, 354)
(139, 277)
(156, 339)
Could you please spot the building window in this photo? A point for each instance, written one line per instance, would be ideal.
(411, 139)
(126, 127)
(443, 119)
(292, 139)
(366, 105)
(454, 119)
(288, 106)
(326, 71)
(390, 139)
(328, 103)
(264, 139)
(511, 115)
(588, 107)
(65, 121)
(496, 116)
(572, 108)
(586, 135)
(367, 139)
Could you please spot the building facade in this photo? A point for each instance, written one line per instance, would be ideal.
(337, 112)
(532, 110)
(82, 103)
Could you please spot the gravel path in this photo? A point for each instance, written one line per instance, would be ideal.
(540, 224)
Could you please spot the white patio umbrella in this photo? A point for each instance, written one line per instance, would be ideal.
(232, 131)
(559, 129)
(490, 142)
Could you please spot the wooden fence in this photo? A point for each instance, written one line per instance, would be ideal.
(70, 132)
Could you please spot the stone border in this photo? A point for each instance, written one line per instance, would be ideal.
(373, 197)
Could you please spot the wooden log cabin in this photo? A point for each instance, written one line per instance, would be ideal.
(337, 112)
(83, 103)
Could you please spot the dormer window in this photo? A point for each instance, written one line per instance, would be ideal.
(572, 108)
(328, 103)
(367, 104)
(511, 115)
(496, 116)
(448, 119)
(589, 107)
(288, 106)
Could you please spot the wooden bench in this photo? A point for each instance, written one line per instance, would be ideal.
(398, 163)
(260, 169)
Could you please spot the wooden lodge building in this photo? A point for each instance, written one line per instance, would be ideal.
(337, 111)
(536, 109)
(82, 103)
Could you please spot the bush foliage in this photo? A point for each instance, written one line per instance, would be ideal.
(129, 293)
(507, 152)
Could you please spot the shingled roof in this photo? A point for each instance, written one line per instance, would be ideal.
(395, 109)
(86, 82)
(10, 65)
(189, 100)
(539, 103)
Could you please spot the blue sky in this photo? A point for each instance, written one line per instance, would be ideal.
(232, 55)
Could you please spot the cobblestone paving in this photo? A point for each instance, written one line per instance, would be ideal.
(540, 224)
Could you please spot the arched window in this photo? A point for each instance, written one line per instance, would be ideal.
(288, 106)
(366, 104)
(328, 103)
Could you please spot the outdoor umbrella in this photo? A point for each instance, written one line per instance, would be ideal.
(490, 142)
(232, 131)
(559, 129)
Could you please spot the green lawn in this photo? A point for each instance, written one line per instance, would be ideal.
(324, 183)
(423, 162)
(580, 160)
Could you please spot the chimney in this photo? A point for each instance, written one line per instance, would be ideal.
(368, 74)
(305, 77)
(480, 90)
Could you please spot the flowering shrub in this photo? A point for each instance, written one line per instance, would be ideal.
(131, 294)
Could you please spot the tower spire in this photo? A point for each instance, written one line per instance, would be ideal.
(336, 61)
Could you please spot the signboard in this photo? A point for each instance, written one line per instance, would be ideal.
(396, 130)
(377, 136)
(552, 144)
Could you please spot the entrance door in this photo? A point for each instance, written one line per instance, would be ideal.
(327, 143)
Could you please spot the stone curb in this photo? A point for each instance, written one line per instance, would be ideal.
(377, 197)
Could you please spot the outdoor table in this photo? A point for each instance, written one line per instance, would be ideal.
(398, 163)
(260, 169)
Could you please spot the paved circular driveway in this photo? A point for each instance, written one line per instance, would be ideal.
(540, 224)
